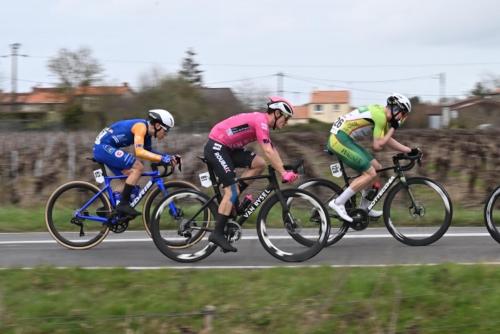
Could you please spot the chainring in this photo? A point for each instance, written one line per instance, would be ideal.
(360, 219)
(233, 231)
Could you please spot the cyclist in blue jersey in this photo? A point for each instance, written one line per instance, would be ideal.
(139, 132)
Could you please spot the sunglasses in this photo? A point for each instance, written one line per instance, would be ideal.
(164, 127)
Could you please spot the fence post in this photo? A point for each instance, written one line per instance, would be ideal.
(208, 317)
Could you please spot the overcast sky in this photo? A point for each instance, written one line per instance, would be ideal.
(371, 47)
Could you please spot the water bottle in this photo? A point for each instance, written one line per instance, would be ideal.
(245, 204)
(373, 191)
(117, 196)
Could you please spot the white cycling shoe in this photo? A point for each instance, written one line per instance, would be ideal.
(373, 213)
(340, 209)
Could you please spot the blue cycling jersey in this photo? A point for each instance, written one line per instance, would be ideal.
(120, 134)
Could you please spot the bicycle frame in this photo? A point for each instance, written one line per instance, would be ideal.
(398, 170)
(107, 189)
(272, 187)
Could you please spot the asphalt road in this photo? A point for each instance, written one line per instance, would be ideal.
(372, 247)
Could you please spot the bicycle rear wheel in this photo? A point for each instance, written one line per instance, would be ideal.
(417, 212)
(65, 228)
(181, 236)
(282, 230)
(325, 191)
(492, 214)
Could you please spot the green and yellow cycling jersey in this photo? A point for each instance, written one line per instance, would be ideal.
(362, 122)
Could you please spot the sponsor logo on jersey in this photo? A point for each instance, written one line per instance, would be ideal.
(237, 129)
(119, 153)
(264, 126)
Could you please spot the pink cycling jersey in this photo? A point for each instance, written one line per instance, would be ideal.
(241, 129)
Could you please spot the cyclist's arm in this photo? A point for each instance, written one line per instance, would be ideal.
(395, 145)
(380, 142)
(264, 140)
(273, 156)
(140, 130)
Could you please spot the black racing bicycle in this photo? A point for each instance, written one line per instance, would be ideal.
(492, 214)
(417, 211)
(292, 224)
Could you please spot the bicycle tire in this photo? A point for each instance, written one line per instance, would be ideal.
(180, 249)
(60, 235)
(326, 190)
(490, 219)
(150, 199)
(418, 186)
(306, 252)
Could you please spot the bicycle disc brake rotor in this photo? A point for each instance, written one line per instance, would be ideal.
(291, 224)
(416, 211)
(359, 219)
(185, 229)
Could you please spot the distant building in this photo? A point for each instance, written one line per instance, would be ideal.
(324, 106)
(46, 104)
(479, 112)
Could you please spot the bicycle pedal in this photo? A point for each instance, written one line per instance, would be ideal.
(227, 251)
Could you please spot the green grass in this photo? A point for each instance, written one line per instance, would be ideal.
(17, 219)
(436, 299)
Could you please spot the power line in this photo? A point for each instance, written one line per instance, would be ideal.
(460, 64)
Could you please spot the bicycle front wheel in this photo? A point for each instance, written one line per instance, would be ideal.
(283, 229)
(492, 214)
(156, 195)
(417, 212)
(180, 231)
(326, 191)
(60, 215)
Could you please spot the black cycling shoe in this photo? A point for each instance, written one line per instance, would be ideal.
(127, 210)
(221, 241)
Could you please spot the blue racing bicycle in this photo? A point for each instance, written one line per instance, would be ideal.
(79, 214)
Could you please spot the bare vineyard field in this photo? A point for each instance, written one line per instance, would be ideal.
(33, 164)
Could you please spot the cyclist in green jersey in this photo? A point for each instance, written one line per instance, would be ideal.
(375, 120)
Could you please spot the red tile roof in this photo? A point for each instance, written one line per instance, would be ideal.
(102, 90)
(41, 95)
(330, 96)
(301, 112)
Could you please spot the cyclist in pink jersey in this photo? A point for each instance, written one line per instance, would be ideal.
(225, 151)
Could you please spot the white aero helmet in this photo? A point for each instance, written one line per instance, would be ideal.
(400, 101)
(163, 117)
(281, 104)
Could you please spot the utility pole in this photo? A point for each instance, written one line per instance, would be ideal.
(279, 90)
(445, 112)
(13, 71)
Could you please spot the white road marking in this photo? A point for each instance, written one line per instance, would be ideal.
(347, 236)
(267, 267)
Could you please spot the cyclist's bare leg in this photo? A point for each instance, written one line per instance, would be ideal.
(365, 179)
(258, 166)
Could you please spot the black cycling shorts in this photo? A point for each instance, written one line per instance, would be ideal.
(224, 160)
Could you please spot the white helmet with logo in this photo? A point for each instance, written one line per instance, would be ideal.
(400, 101)
(163, 117)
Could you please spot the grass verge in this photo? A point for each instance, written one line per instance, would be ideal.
(433, 299)
(17, 219)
